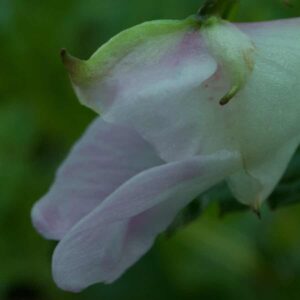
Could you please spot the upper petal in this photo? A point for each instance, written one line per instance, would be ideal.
(112, 237)
(143, 78)
(139, 59)
(104, 158)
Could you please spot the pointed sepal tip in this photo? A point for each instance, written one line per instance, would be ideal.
(68, 60)
(76, 67)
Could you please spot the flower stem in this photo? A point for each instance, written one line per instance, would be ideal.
(220, 8)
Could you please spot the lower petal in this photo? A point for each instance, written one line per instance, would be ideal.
(112, 237)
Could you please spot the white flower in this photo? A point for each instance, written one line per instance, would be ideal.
(163, 137)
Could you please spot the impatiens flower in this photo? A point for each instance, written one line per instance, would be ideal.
(182, 107)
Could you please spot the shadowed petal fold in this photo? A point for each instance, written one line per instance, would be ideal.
(254, 184)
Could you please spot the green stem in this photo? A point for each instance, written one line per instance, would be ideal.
(220, 8)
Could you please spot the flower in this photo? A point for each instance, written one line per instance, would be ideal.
(163, 137)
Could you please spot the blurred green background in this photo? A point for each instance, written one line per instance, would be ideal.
(233, 257)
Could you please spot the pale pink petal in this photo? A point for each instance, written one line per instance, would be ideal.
(113, 236)
(104, 158)
(162, 98)
(150, 77)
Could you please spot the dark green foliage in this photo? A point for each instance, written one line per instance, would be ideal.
(40, 118)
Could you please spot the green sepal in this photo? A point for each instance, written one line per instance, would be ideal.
(83, 72)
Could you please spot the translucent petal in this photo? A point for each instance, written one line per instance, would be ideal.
(108, 240)
(146, 82)
(104, 158)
